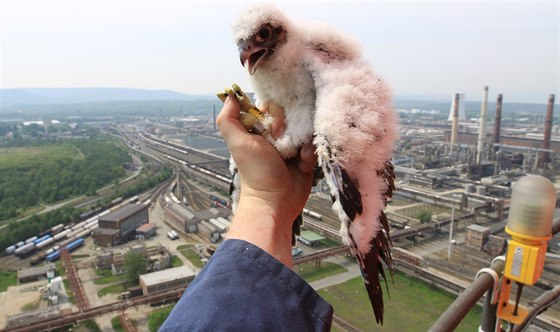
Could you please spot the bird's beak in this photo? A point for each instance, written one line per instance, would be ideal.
(251, 55)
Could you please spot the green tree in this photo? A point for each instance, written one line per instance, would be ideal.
(156, 318)
(424, 216)
(134, 265)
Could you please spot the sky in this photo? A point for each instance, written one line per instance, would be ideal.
(423, 49)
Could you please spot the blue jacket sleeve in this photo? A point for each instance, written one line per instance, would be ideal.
(243, 288)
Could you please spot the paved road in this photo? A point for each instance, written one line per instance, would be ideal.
(353, 272)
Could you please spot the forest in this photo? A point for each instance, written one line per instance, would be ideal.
(19, 231)
(50, 171)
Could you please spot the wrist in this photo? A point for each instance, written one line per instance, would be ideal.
(259, 222)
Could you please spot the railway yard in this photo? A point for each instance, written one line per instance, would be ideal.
(201, 182)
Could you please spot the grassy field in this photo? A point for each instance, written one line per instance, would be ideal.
(106, 277)
(188, 251)
(116, 324)
(176, 261)
(310, 272)
(33, 155)
(157, 317)
(7, 279)
(413, 306)
(115, 289)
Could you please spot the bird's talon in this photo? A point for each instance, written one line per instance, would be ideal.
(251, 117)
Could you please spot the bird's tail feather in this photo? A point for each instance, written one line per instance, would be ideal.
(371, 267)
(296, 228)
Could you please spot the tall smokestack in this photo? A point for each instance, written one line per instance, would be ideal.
(455, 122)
(214, 117)
(498, 120)
(545, 155)
(482, 129)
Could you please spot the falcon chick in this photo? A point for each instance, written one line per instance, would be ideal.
(330, 96)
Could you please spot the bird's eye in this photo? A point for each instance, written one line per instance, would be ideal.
(264, 33)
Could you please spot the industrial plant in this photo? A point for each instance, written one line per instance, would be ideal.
(450, 216)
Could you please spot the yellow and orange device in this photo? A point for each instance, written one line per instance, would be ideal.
(530, 225)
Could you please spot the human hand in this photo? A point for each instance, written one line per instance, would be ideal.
(273, 190)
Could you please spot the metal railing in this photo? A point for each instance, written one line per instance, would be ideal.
(485, 282)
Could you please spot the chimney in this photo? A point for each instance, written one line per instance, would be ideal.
(455, 122)
(545, 155)
(498, 120)
(482, 128)
(214, 116)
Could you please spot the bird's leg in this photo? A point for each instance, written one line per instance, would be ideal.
(251, 117)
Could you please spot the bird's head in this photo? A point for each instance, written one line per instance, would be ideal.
(258, 33)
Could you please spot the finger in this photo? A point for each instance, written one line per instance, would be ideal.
(307, 158)
(228, 121)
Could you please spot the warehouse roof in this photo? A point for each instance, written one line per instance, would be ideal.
(124, 212)
(213, 213)
(162, 276)
(32, 272)
(145, 228)
(478, 228)
(182, 211)
(311, 236)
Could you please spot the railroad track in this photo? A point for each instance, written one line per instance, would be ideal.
(321, 227)
(321, 254)
(61, 321)
(195, 199)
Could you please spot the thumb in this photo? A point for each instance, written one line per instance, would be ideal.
(228, 120)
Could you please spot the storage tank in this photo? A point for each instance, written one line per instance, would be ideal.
(45, 243)
(91, 224)
(73, 233)
(10, 250)
(53, 256)
(31, 239)
(27, 248)
(42, 239)
(57, 228)
(83, 233)
(62, 234)
(78, 225)
(75, 244)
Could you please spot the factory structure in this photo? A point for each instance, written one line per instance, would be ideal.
(479, 148)
(472, 165)
(166, 279)
(121, 225)
(212, 223)
(533, 150)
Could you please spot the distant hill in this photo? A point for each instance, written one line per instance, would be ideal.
(45, 96)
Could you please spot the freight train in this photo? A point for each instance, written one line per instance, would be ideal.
(70, 247)
(64, 233)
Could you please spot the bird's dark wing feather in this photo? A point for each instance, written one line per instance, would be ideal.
(296, 228)
(348, 194)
